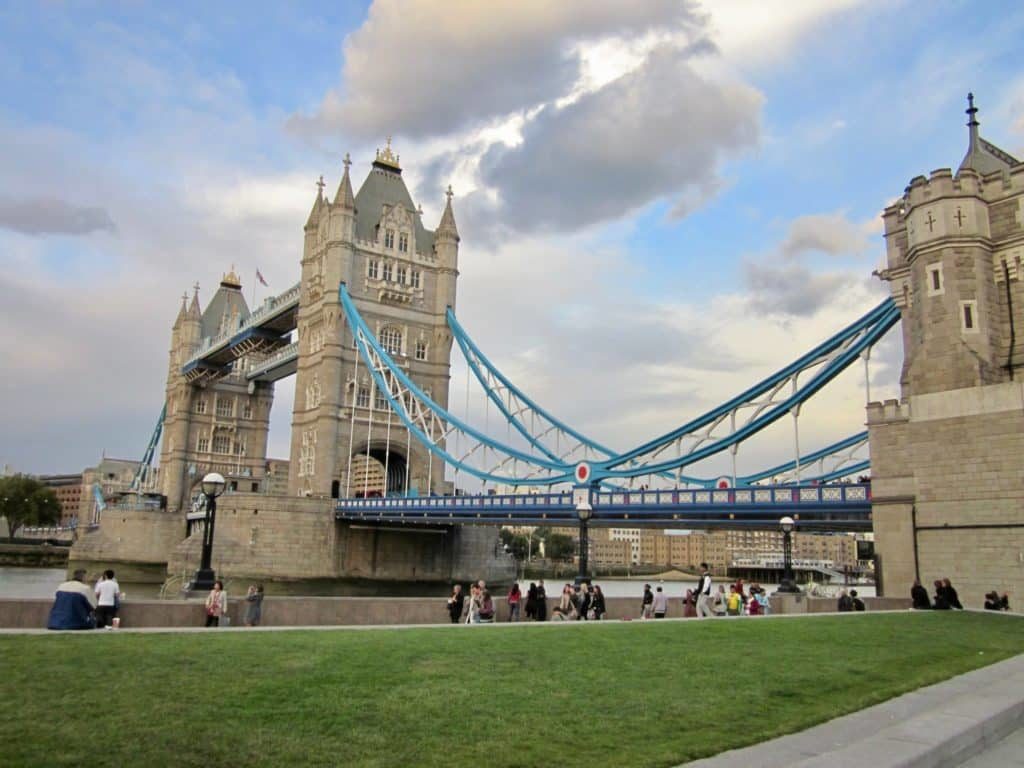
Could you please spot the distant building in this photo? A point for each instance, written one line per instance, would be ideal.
(68, 489)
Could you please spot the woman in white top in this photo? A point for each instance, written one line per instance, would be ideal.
(216, 604)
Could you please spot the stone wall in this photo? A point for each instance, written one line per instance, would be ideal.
(130, 536)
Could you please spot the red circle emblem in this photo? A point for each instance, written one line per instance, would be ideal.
(723, 483)
(582, 472)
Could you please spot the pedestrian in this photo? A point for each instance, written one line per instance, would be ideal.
(689, 605)
(845, 603)
(456, 603)
(73, 605)
(919, 596)
(660, 604)
(951, 596)
(597, 606)
(486, 615)
(531, 601)
(763, 601)
(254, 605)
(940, 602)
(703, 592)
(647, 603)
(858, 604)
(542, 601)
(475, 598)
(107, 596)
(216, 604)
(734, 602)
(514, 597)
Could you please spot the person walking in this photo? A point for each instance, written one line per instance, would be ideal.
(254, 605)
(647, 603)
(514, 597)
(703, 593)
(107, 596)
(456, 603)
(660, 604)
(216, 604)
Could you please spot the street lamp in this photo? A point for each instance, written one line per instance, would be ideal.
(584, 512)
(213, 486)
(787, 584)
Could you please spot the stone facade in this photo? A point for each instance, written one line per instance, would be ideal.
(947, 471)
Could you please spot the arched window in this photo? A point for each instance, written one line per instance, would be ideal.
(391, 340)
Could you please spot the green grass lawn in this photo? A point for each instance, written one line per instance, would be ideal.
(617, 694)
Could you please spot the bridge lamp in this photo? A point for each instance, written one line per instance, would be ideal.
(213, 486)
(786, 525)
(583, 512)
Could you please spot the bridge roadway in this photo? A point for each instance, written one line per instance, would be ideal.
(814, 508)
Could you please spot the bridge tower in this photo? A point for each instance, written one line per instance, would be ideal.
(947, 478)
(402, 276)
(218, 424)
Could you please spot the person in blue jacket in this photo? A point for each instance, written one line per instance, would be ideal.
(74, 605)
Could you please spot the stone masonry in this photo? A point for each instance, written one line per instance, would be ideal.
(948, 457)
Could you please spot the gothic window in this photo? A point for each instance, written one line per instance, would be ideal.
(969, 316)
(203, 444)
(421, 349)
(225, 406)
(415, 278)
(403, 242)
(401, 275)
(373, 269)
(307, 454)
(240, 447)
(387, 271)
(934, 279)
(247, 410)
(221, 444)
(201, 405)
(379, 401)
(391, 340)
(363, 398)
(389, 238)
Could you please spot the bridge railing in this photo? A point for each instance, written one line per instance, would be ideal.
(787, 496)
(282, 355)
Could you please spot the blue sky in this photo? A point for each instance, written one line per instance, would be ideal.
(659, 204)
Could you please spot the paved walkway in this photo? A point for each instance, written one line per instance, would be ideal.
(943, 725)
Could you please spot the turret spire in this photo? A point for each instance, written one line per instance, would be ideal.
(972, 121)
(344, 197)
(314, 214)
(447, 225)
(194, 310)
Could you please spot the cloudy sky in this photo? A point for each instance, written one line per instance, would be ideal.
(660, 203)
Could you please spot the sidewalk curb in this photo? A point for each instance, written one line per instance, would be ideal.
(939, 726)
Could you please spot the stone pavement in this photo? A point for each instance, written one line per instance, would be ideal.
(941, 726)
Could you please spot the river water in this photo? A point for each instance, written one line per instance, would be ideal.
(43, 582)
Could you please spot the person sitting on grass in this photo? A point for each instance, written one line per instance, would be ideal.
(845, 602)
(920, 597)
(941, 602)
(565, 610)
(993, 602)
(858, 604)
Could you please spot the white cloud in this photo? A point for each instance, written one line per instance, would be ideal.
(830, 233)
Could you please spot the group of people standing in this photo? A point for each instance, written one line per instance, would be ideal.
(580, 602)
(217, 605)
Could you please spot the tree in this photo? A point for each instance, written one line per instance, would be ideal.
(26, 501)
(558, 546)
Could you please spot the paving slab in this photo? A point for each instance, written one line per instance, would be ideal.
(940, 726)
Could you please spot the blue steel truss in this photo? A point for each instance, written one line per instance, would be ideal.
(146, 465)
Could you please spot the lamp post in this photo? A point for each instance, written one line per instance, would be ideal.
(584, 512)
(213, 486)
(787, 584)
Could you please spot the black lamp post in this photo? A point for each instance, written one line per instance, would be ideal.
(787, 525)
(213, 486)
(584, 512)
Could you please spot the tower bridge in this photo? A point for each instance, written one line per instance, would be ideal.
(369, 331)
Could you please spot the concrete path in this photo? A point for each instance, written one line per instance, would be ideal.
(941, 726)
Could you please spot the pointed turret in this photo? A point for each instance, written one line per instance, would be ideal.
(983, 156)
(344, 198)
(447, 228)
(194, 312)
(183, 312)
(318, 204)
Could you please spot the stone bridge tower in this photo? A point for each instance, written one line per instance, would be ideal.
(403, 277)
(947, 477)
(216, 424)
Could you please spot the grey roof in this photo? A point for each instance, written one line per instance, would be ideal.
(985, 157)
(228, 300)
(383, 186)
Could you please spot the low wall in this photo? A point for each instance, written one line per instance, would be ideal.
(33, 555)
(355, 611)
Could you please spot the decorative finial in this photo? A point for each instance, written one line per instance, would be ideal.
(195, 287)
(320, 185)
(419, 209)
(231, 280)
(972, 121)
(346, 162)
(449, 194)
(387, 157)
